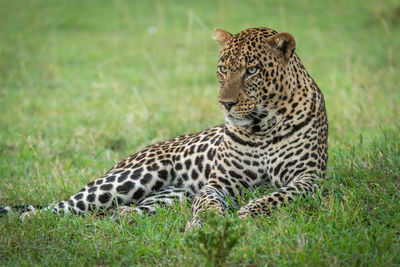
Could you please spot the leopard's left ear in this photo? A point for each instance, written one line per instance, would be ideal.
(283, 42)
(221, 36)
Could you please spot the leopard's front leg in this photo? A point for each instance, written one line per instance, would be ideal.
(263, 205)
(210, 198)
(214, 195)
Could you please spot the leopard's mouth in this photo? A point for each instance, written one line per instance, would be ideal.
(237, 117)
(242, 121)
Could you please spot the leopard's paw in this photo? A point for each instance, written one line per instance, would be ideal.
(254, 208)
(244, 213)
(193, 224)
(27, 215)
(124, 211)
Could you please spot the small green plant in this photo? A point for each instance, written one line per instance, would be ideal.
(216, 238)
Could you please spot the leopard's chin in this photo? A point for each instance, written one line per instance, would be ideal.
(241, 122)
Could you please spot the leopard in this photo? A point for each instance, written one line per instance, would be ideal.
(275, 134)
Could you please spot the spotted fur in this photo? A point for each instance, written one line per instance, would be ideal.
(275, 133)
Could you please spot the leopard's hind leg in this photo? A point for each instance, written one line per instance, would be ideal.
(118, 187)
(167, 196)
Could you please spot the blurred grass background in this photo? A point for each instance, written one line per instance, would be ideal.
(85, 83)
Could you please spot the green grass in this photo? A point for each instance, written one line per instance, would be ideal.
(85, 83)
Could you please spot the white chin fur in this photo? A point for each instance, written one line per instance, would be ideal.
(237, 122)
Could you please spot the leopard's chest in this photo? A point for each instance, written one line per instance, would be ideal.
(268, 163)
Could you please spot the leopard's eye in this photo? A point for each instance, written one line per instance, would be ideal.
(223, 69)
(251, 70)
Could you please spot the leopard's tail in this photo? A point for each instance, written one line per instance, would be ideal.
(18, 209)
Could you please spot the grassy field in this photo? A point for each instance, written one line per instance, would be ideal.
(84, 83)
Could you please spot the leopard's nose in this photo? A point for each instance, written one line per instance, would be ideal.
(228, 105)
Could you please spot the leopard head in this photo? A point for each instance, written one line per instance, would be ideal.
(256, 77)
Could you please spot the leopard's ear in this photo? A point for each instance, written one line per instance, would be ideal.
(283, 42)
(221, 36)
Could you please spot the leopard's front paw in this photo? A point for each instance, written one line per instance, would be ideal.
(193, 224)
(254, 208)
(244, 213)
